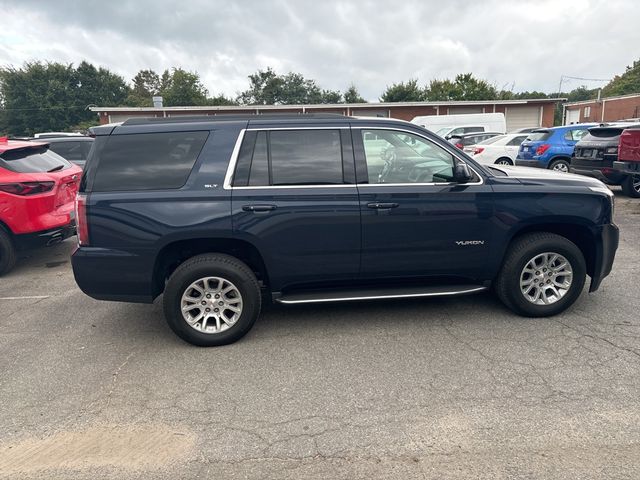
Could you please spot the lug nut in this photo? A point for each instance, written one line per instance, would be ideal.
(216, 310)
(203, 303)
(208, 296)
(220, 303)
(207, 309)
(217, 296)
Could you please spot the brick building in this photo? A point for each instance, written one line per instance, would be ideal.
(607, 109)
(518, 113)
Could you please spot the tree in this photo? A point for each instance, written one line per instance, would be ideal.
(403, 92)
(266, 87)
(146, 84)
(53, 96)
(182, 88)
(581, 93)
(628, 82)
(351, 95)
(464, 87)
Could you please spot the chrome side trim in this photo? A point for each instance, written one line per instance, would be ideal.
(380, 297)
(232, 162)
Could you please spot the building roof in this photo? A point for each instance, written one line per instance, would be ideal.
(328, 105)
(594, 100)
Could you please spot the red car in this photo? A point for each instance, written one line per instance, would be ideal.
(37, 193)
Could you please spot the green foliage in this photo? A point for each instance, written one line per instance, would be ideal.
(266, 87)
(627, 83)
(581, 93)
(464, 87)
(53, 96)
(404, 92)
(351, 95)
(181, 88)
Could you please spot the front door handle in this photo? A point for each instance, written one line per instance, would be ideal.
(258, 208)
(381, 206)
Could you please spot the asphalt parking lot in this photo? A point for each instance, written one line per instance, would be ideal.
(439, 388)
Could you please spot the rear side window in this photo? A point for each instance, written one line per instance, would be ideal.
(71, 150)
(516, 141)
(290, 157)
(147, 161)
(33, 160)
(575, 135)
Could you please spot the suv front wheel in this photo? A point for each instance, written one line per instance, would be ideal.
(212, 300)
(543, 274)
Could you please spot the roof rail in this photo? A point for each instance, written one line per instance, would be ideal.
(232, 117)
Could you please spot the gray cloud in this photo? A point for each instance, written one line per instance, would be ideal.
(528, 44)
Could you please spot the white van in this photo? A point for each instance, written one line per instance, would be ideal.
(448, 125)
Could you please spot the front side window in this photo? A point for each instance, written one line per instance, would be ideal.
(401, 157)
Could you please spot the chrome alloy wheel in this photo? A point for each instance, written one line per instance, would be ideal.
(503, 162)
(561, 167)
(546, 278)
(211, 305)
(635, 183)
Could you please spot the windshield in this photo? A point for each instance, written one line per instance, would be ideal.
(491, 140)
(537, 136)
(443, 131)
(33, 160)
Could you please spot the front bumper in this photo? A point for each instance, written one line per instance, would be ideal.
(606, 245)
(45, 238)
(528, 163)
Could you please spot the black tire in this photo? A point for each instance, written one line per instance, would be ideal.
(559, 164)
(212, 265)
(8, 255)
(520, 252)
(628, 188)
(504, 161)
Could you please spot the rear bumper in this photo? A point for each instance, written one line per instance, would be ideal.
(627, 168)
(115, 275)
(44, 238)
(602, 171)
(529, 163)
(606, 246)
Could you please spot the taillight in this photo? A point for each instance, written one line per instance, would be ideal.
(27, 188)
(82, 226)
(459, 145)
(477, 150)
(542, 148)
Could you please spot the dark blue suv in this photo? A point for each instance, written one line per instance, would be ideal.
(220, 214)
(551, 147)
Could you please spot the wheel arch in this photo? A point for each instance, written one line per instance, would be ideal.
(578, 233)
(173, 254)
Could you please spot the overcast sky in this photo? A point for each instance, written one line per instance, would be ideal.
(526, 45)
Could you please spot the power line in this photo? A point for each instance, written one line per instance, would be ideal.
(586, 79)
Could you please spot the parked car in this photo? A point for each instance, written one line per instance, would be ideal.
(525, 130)
(222, 213)
(73, 148)
(459, 124)
(37, 192)
(595, 154)
(551, 147)
(628, 162)
(462, 141)
(501, 150)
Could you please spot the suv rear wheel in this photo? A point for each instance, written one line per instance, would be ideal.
(631, 186)
(212, 300)
(543, 274)
(7, 252)
(559, 166)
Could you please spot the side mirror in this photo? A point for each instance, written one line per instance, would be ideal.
(462, 173)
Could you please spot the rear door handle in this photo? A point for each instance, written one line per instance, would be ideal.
(258, 208)
(380, 206)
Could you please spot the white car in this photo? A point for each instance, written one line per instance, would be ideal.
(502, 149)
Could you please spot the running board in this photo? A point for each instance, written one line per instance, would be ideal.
(377, 294)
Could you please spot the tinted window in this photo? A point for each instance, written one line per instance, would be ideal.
(399, 157)
(473, 129)
(538, 136)
(33, 160)
(259, 170)
(147, 161)
(516, 141)
(575, 135)
(71, 150)
(305, 157)
(491, 140)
